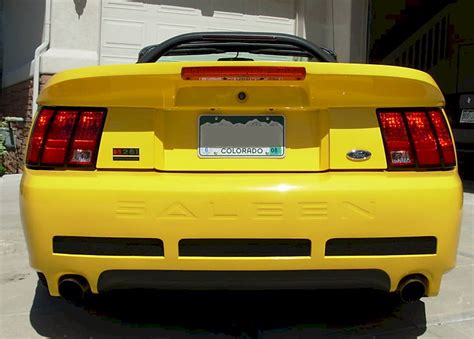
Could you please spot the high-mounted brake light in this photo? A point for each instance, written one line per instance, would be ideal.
(243, 73)
(416, 139)
(63, 137)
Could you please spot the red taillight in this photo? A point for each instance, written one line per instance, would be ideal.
(416, 139)
(58, 137)
(85, 139)
(243, 73)
(444, 138)
(423, 139)
(65, 137)
(37, 136)
(397, 145)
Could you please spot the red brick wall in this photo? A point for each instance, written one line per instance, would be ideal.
(16, 101)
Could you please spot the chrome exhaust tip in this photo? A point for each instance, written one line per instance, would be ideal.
(412, 288)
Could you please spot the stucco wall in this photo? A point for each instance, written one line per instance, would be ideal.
(75, 35)
(23, 30)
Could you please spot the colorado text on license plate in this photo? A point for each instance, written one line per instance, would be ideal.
(242, 136)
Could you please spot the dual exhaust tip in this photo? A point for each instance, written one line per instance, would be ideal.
(412, 288)
(75, 288)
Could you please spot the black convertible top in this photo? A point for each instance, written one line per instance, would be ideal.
(222, 42)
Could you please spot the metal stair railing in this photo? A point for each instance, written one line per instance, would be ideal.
(426, 47)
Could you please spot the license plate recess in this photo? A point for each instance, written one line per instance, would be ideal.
(241, 136)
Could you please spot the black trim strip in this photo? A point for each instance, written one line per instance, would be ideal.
(381, 246)
(126, 158)
(108, 246)
(243, 280)
(244, 247)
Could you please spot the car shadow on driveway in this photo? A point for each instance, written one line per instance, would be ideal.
(276, 314)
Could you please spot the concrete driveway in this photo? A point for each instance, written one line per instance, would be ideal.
(26, 310)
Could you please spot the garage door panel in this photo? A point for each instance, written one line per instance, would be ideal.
(131, 33)
(166, 31)
(178, 11)
(224, 16)
(276, 8)
(127, 26)
(108, 59)
(127, 5)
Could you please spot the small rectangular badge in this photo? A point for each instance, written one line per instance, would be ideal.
(126, 154)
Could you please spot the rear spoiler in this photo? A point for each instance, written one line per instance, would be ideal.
(221, 42)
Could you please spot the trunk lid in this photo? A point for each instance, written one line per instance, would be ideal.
(157, 120)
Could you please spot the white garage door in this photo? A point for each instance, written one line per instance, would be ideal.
(129, 25)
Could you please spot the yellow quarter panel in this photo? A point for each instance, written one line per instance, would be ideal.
(128, 128)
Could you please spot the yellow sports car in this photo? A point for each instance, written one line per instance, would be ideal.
(241, 161)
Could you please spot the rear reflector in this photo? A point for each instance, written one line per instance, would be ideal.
(416, 139)
(243, 73)
(65, 137)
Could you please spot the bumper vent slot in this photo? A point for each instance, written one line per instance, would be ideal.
(108, 246)
(243, 280)
(244, 247)
(381, 246)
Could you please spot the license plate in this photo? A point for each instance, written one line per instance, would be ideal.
(241, 136)
(467, 116)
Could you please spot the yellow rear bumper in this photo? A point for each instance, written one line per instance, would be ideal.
(176, 206)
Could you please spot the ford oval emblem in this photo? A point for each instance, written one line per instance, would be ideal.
(358, 155)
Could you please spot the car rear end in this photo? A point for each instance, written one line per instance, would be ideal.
(261, 175)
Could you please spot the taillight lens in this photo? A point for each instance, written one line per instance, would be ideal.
(418, 139)
(243, 73)
(444, 137)
(37, 136)
(397, 145)
(423, 139)
(85, 141)
(58, 138)
(64, 137)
